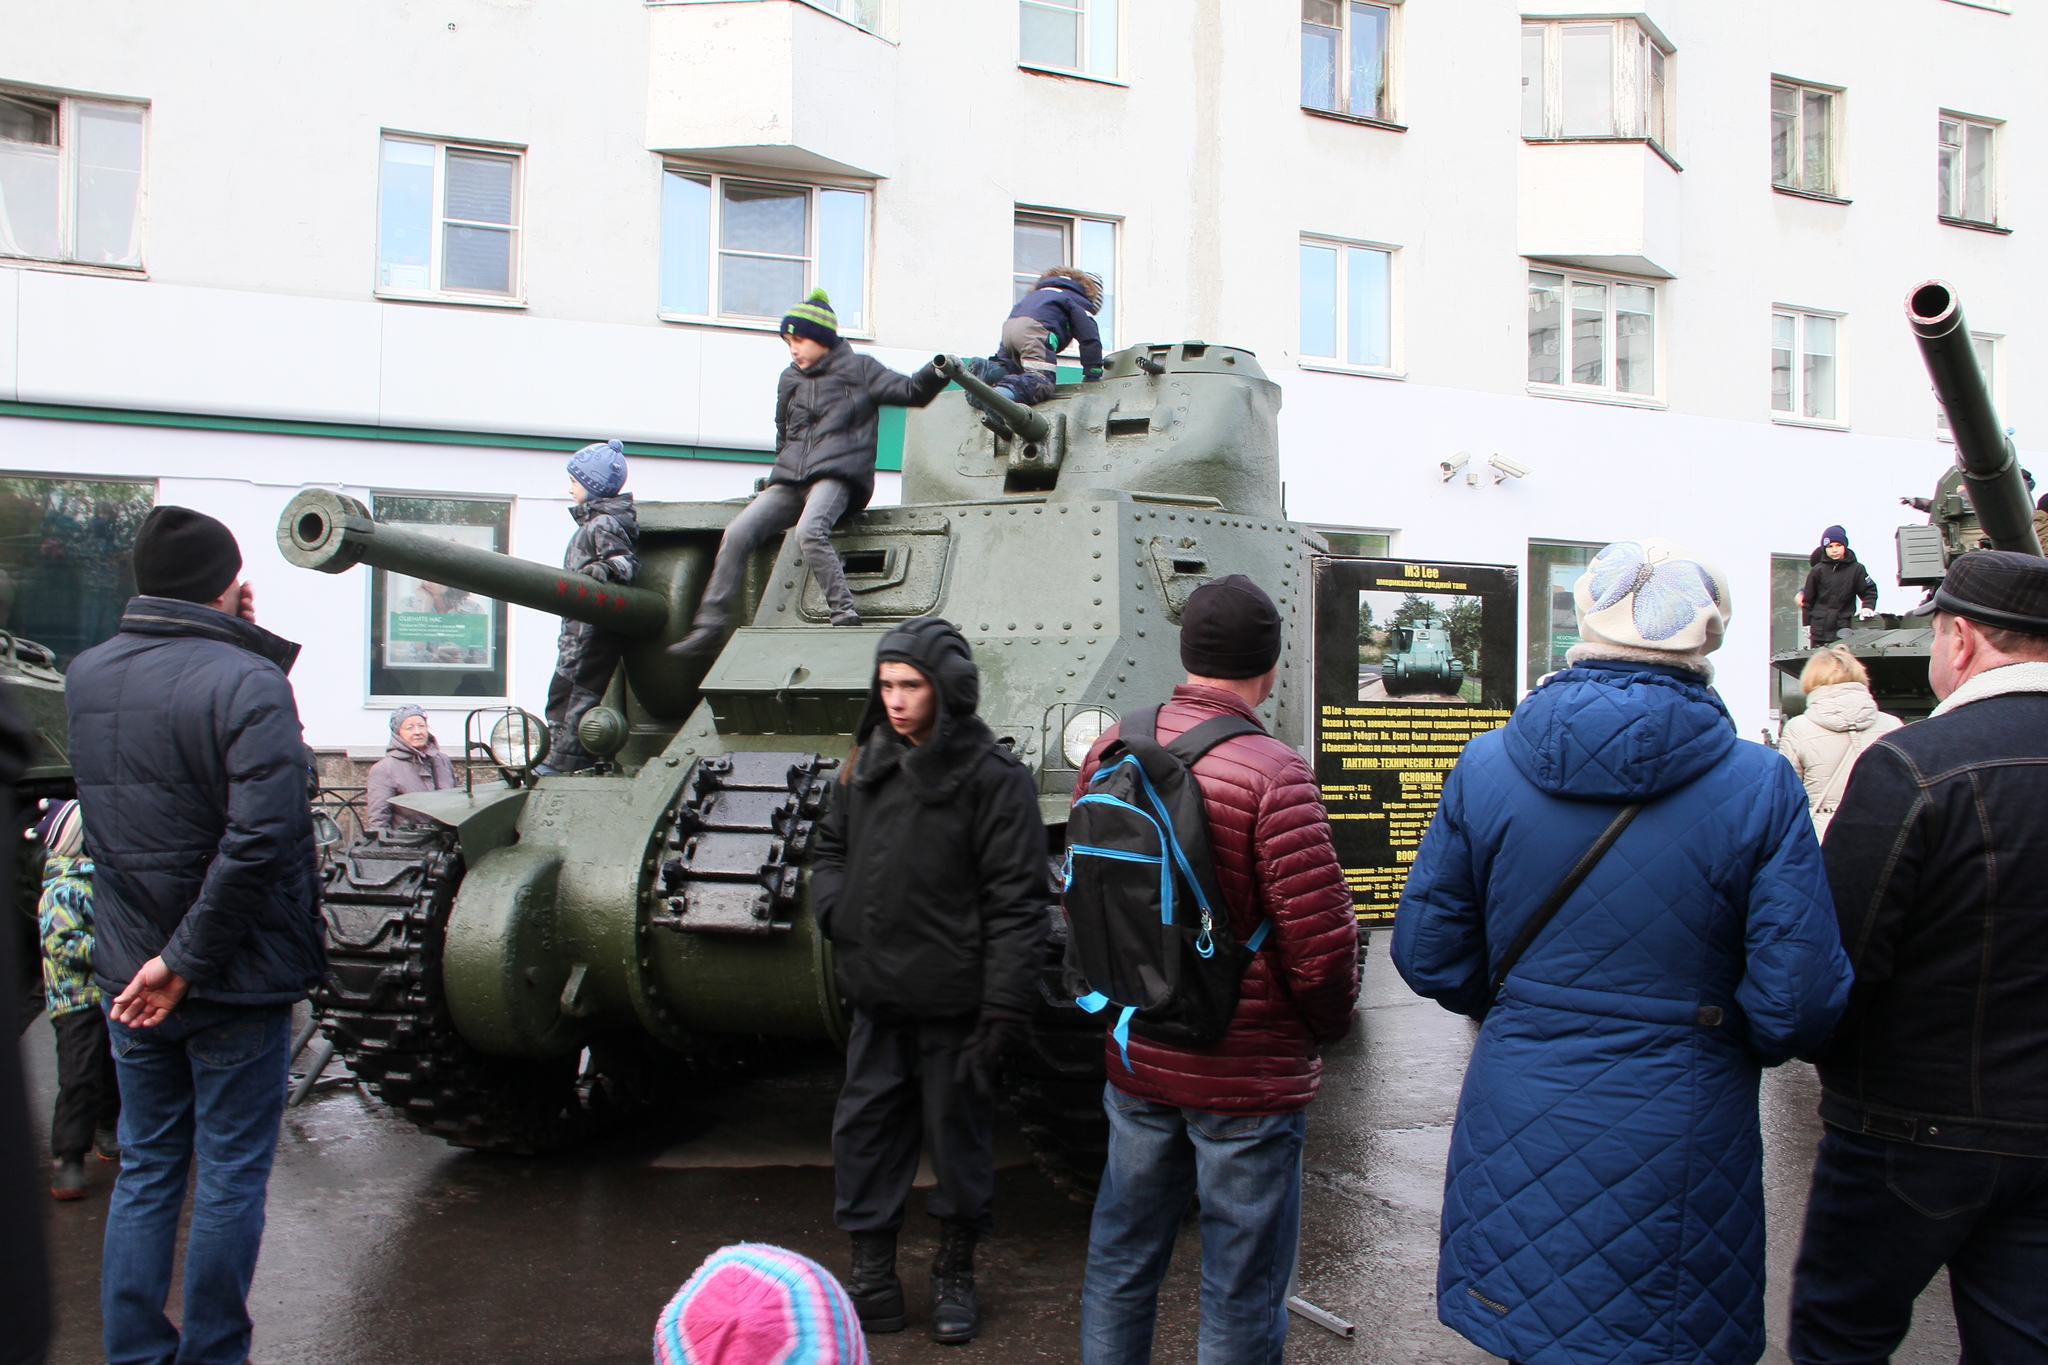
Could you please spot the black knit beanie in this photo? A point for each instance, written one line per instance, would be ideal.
(1229, 629)
(186, 555)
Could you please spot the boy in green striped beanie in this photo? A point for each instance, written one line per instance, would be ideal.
(827, 410)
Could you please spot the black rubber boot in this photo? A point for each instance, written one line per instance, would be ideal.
(877, 1293)
(701, 641)
(956, 1315)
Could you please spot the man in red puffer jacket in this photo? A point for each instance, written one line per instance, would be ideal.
(1226, 1121)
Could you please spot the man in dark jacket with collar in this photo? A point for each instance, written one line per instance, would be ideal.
(931, 881)
(192, 778)
(1934, 1086)
(828, 412)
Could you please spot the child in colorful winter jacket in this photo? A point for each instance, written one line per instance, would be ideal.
(88, 1098)
(1060, 309)
(607, 529)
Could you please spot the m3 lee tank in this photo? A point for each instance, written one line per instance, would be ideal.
(1981, 503)
(547, 953)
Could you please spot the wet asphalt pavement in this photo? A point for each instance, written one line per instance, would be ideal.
(386, 1247)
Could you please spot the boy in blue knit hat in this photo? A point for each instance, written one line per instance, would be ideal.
(606, 530)
(827, 409)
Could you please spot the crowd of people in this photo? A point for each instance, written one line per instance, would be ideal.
(1639, 911)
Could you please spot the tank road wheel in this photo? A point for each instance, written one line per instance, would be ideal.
(1056, 1077)
(386, 906)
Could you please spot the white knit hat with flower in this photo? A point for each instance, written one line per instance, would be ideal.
(1651, 602)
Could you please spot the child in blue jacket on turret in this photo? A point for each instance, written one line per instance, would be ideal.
(1059, 310)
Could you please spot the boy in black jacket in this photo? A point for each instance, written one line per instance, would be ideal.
(586, 656)
(827, 409)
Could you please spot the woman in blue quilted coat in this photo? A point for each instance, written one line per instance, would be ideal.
(1605, 1194)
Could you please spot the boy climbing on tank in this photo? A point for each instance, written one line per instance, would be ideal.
(827, 409)
(586, 657)
(1060, 309)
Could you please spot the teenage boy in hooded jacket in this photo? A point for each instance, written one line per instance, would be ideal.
(931, 881)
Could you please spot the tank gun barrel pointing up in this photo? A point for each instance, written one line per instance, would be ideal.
(1991, 469)
(1028, 425)
(332, 532)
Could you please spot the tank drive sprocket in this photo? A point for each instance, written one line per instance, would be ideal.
(386, 904)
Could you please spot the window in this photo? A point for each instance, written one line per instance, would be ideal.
(1804, 350)
(1555, 567)
(1594, 78)
(1986, 348)
(866, 13)
(1612, 329)
(1044, 240)
(1788, 578)
(1344, 57)
(428, 639)
(66, 570)
(1966, 189)
(1803, 138)
(71, 180)
(1347, 304)
(1353, 542)
(744, 250)
(1071, 35)
(448, 220)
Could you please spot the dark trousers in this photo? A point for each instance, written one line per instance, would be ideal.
(1884, 1216)
(585, 659)
(88, 1095)
(900, 1098)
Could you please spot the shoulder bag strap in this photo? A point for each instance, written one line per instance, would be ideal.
(1842, 766)
(1548, 910)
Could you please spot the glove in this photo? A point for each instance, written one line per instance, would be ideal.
(995, 1034)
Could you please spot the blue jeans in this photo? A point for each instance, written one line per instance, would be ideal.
(208, 1082)
(1884, 1216)
(1247, 1169)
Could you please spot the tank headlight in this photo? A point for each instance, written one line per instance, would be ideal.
(1082, 730)
(519, 740)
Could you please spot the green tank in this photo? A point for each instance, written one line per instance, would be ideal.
(28, 672)
(1419, 661)
(1981, 503)
(550, 954)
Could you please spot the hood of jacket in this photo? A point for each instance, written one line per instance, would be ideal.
(618, 506)
(937, 767)
(1074, 287)
(170, 616)
(1613, 731)
(1842, 707)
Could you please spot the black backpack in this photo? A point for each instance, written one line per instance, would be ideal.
(1148, 928)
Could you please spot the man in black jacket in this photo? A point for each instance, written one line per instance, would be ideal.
(828, 409)
(1835, 583)
(931, 881)
(1934, 1086)
(192, 778)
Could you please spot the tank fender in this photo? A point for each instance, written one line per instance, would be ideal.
(484, 819)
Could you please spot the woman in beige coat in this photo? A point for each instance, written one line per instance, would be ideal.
(1839, 723)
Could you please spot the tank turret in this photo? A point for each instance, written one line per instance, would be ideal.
(1980, 503)
(546, 956)
(1419, 661)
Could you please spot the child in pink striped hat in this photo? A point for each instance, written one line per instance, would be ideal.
(752, 1304)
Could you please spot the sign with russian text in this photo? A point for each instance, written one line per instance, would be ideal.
(1413, 660)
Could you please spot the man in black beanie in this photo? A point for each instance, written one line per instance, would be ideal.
(1226, 1121)
(191, 775)
(931, 883)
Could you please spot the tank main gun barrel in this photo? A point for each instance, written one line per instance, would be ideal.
(332, 532)
(1991, 470)
(1028, 425)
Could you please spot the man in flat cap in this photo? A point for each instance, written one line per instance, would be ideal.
(192, 780)
(1934, 1086)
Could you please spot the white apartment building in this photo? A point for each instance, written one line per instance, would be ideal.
(1642, 272)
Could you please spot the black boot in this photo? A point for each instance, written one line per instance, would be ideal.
(877, 1293)
(956, 1316)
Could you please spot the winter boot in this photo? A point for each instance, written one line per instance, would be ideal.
(876, 1292)
(956, 1315)
(106, 1144)
(68, 1180)
(848, 618)
(703, 640)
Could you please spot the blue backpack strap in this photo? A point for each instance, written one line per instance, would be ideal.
(1095, 1002)
(1258, 938)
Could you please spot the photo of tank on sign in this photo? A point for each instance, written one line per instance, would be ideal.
(1412, 661)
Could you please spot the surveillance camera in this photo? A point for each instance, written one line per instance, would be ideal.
(1504, 468)
(1451, 466)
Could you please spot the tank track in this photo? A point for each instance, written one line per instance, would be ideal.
(386, 905)
(1056, 1080)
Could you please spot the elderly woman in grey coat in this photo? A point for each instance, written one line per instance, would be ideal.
(412, 762)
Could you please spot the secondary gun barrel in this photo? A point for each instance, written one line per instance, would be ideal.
(332, 532)
(1991, 470)
(1018, 418)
